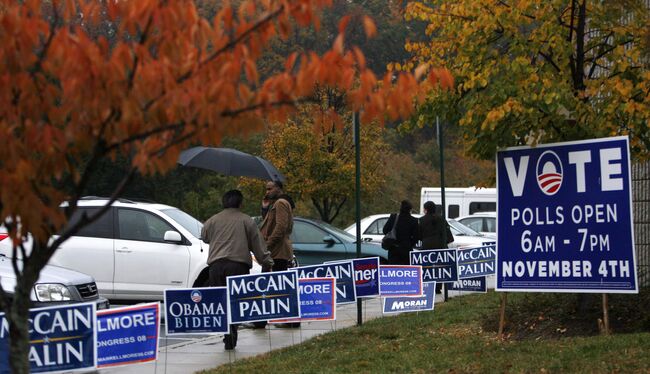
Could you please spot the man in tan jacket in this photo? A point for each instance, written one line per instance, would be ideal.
(232, 236)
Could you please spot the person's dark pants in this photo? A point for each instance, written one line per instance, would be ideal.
(218, 271)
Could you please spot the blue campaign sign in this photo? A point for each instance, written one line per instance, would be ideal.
(478, 284)
(366, 276)
(317, 299)
(196, 310)
(62, 338)
(127, 335)
(564, 218)
(262, 297)
(341, 271)
(438, 265)
(477, 261)
(412, 304)
(400, 280)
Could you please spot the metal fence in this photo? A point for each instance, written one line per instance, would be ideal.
(641, 207)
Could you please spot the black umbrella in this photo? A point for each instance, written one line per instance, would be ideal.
(228, 161)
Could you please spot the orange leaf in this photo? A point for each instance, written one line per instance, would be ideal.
(369, 27)
(343, 24)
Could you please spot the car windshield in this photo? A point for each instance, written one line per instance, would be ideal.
(462, 229)
(344, 235)
(188, 222)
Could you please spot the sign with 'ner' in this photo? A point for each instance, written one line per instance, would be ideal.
(61, 338)
(412, 304)
(565, 218)
(341, 271)
(366, 276)
(261, 297)
(476, 261)
(196, 310)
(400, 280)
(127, 335)
(438, 265)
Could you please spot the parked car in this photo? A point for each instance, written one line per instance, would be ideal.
(315, 242)
(372, 226)
(483, 222)
(55, 285)
(136, 250)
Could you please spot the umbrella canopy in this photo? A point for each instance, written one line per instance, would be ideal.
(228, 161)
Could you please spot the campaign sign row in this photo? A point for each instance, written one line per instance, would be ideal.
(76, 337)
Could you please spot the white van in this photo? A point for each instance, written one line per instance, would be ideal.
(461, 201)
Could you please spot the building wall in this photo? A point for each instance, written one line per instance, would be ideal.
(641, 208)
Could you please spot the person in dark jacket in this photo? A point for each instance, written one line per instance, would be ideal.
(434, 231)
(406, 233)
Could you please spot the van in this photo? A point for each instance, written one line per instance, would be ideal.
(460, 201)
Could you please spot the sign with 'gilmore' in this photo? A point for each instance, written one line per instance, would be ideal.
(341, 271)
(127, 335)
(62, 338)
(400, 280)
(261, 297)
(477, 261)
(412, 304)
(438, 265)
(366, 276)
(565, 218)
(196, 310)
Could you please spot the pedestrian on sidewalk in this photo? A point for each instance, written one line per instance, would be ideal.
(232, 236)
(406, 232)
(277, 209)
(434, 232)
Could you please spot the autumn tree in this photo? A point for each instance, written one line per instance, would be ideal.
(168, 79)
(533, 71)
(316, 153)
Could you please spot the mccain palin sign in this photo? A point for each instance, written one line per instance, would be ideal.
(565, 218)
(344, 274)
(61, 338)
(263, 297)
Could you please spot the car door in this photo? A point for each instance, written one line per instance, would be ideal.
(145, 265)
(91, 250)
(374, 232)
(310, 247)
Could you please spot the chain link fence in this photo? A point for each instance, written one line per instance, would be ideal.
(641, 208)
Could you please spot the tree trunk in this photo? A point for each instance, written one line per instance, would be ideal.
(18, 319)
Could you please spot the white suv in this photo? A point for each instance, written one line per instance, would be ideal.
(135, 250)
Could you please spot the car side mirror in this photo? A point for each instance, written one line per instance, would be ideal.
(173, 237)
(367, 239)
(329, 240)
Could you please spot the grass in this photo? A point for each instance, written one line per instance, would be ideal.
(544, 333)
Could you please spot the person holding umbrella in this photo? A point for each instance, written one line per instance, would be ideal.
(232, 235)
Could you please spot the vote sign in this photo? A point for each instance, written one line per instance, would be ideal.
(366, 276)
(438, 265)
(127, 335)
(62, 338)
(565, 218)
(476, 261)
(262, 297)
(341, 271)
(196, 310)
(400, 280)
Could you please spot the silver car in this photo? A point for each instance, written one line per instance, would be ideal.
(55, 286)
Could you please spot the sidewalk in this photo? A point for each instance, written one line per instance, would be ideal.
(207, 352)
